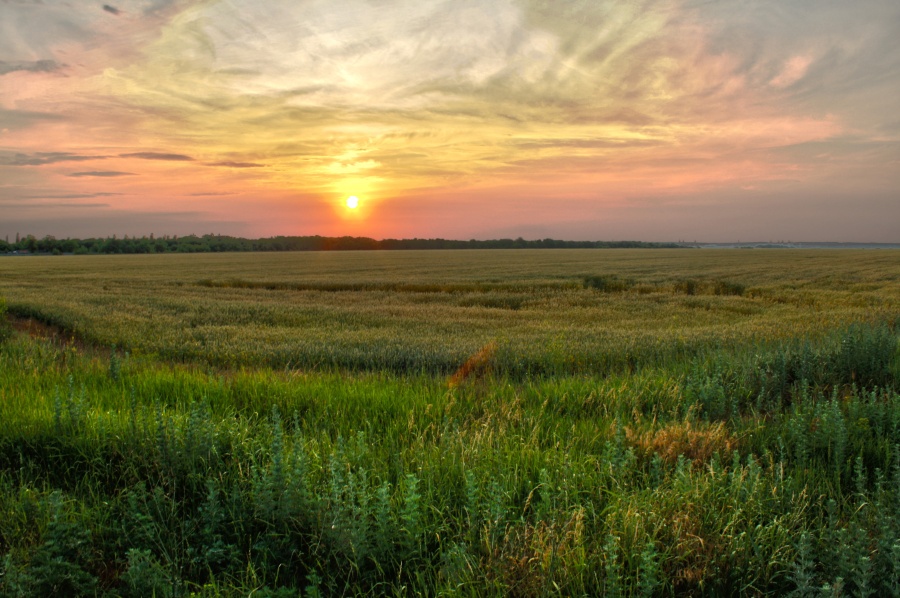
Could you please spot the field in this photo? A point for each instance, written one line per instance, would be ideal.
(508, 422)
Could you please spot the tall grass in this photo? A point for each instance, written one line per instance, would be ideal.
(507, 429)
(190, 481)
(5, 327)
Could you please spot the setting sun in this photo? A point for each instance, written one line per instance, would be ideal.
(458, 120)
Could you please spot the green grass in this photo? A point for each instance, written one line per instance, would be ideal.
(556, 312)
(757, 455)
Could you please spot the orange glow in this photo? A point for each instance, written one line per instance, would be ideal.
(506, 119)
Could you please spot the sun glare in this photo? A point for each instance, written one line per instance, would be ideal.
(352, 202)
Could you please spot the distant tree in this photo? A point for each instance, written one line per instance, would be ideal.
(218, 243)
(111, 245)
(47, 244)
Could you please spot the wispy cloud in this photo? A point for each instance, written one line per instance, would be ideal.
(100, 173)
(19, 119)
(50, 30)
(158, 156)
(42, 158)
(230, 164)
(72, 195)
(36, 66)
(51, 205)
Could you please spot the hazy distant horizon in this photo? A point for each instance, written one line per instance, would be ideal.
(681, 242)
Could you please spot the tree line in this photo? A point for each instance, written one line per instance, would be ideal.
(218, 243)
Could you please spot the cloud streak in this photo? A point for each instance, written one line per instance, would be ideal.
(51, 205)
(100, 173)
(72, 195)
(36, 66)
(231, 164)
(158, 156)
(23, 119)
(43, 158)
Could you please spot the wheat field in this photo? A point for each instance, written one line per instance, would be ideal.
(523, 422)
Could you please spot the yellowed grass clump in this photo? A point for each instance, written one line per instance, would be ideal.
(697, 441)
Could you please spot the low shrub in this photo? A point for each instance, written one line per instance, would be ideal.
(608, 283)
(865, 356)
(688, 286)
(725, 287)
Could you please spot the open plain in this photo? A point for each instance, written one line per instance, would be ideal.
(499, 422)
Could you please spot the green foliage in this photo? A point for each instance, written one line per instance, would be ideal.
(5, 327)
(725, 464)
(804, 569)
(609, 283)
(223, 243)
(145, 576)
(865, 356)
(115, 364)
(688, 286)
(725, 287)
(649, 575)
(57, 566)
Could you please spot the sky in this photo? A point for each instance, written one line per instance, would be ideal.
(706, 120)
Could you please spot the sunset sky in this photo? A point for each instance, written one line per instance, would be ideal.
(708, 120)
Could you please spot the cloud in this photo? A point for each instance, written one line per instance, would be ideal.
(37, 66)
(100, 173)
(230, 164)
(603, 143)
(88, 39)
(54, 205)
(348, 53)
(495, 83)
(42, 158)
(20, 119)
(352, 167)
(72, 196)
(794, 70)
(158, 156)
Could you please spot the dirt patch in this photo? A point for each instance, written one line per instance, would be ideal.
(41, 330)
(476, 367)
(36, 329)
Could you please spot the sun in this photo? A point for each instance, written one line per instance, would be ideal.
(352, 202)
